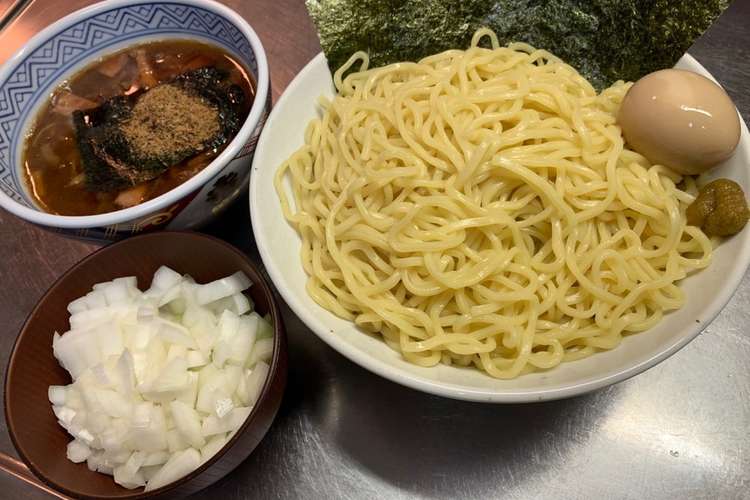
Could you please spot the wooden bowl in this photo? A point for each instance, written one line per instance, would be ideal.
(41, 441)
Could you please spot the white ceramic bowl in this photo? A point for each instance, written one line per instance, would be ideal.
(707, 292)
(65, 47)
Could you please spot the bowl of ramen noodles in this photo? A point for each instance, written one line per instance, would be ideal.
(126, 117)
(477, 224)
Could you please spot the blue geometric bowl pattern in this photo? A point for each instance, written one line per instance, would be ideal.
(35, 76)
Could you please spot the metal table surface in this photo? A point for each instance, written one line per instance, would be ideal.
(680, 430)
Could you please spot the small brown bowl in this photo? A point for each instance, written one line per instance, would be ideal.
(32, 368)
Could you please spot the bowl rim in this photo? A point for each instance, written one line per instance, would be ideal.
(310, 317)
(274, 365)
(262, 92)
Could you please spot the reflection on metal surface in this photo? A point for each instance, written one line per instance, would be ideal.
(18, 469)
(10, 9)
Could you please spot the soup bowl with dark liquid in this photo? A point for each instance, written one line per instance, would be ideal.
(66, 48)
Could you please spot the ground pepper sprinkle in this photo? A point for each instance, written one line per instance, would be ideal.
(168, 120)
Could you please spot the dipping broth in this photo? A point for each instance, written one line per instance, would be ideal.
(54, 170)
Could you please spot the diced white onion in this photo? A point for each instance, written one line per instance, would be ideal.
(78, 451)
(212, 447)
(232, 421)
(262, 351)
(188, 422)
(223, 407)
(56, 394)
(165, 278)
(179, 465)
(175, 441)
(254, 383)
(155, 458)
(195, 358)
(95, 299)
(265, 330)
(78, 305)
(161, 379)
(238, 303)
(170, 295)
(190, 393)
(116, 292)
(224, 287)
(64, 414)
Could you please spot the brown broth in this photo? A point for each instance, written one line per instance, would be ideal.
(52, 163)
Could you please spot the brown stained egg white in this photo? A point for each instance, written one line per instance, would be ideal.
(680, 119)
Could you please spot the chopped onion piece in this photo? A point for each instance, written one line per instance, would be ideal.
(188, 423)
(212, 447)
(177, 351)
(64, 414)
(114, 403)
(253, 384)
(116, 293)
(190, 393)
(128, 475)
(84, 435)
(78, 451)
(165, 278)
(150, 471)
(170, 295)
(78, 305)
(179, 465)
(222, 288)
(110, 340)
(97, 422)
(77, 350)
(125, 374)
(175, 441)
(229, 323)
(262, 351)
(232, 375)
(232, 421)
(265, 330)
(147, 313)
(210, 392)
(56, 394)
(112, 440)
(153, 436)
(222, 352)
(223, 407)
(167, 385)
(94, 461)
(125, 477)
(141, 415)
(241, 344)
(177, 306)
(195, 358)
(238, 303)
(96, 299)
(176, 334)
(155, 458)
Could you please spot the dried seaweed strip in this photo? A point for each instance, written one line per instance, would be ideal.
(606, 40)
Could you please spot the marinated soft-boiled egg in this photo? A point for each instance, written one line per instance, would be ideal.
(680, 119)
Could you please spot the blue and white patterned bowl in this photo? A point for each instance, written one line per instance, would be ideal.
(65, 47)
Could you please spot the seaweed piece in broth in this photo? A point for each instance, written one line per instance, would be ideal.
(134, 138)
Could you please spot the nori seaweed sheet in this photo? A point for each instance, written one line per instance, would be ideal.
(100, 128)
(605, 40)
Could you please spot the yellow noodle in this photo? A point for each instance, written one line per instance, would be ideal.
(480, 208)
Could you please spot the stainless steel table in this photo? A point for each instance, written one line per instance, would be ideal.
(680, 430)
